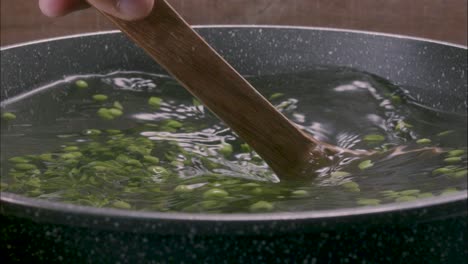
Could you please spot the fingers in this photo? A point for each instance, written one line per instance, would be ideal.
(124, 9)
(55, 8)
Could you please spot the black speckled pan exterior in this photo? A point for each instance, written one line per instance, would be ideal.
(425, 231)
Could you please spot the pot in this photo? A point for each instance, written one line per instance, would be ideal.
(422, 231)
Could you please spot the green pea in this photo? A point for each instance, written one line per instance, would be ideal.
(8, 116)
(300, 193)
(410, 192)
(155, 101)
(250, 185)
(46, 157)
(91, 132)
(458, 174)
(365, 164)
(256, 191)
(182, 189)
(113, 131)
(406, 198)
(456, 153)
(25, 166)
(118, 105)
(368, 202)
(159, 170)
(423, 141)
(245, 148)
(196, 102)
(71, 155)
(210, 204)
(173, 124)
(151, 159)
(351, 186)
(445, 133)
(276, 96)
(374, 138)
(115, 112)
(453, 160)
(18, 160)
(104, 113)
(425, 195)
(70, 148)
(121, 205)
(33, 182)
(449, 191)
(81, 84)
(339, 174)
(226, 149)
(396, 99)
(442, 171)
(215, 193)
(261, 206)
(390, 194)
(402, 125)
(100, 97)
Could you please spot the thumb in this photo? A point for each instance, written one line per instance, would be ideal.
(124, 9)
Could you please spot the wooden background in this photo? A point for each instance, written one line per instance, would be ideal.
(444, 20)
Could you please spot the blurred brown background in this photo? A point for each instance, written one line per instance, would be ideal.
(444, 20)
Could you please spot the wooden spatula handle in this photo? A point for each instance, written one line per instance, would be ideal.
(202, 71)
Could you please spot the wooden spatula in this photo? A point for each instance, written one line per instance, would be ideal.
(201, 70)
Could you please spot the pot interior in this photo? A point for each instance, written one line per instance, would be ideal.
(348, 78)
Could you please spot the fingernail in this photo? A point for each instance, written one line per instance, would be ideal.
(135, 9)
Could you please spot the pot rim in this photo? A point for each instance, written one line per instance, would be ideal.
(18, 200)
(104, 32)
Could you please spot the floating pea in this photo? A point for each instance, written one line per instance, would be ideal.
(115, 112)
(402, 125)
(339, 174)
(25, 166)
(261, 206)
(226, 149)
(250, 185)
(18, 160)
(81, 84)
(351, 186)
(458, 174)
(449, 191)
(121, 205)
(445, 133)
(276, 96)
(155, 101)
(8, 116)
(455, 153)
(173, 124)
(374, 138)
(300, 193)
(365, 164)
(118, 105)
(410, 192)
(453, 160)
(406, 198)
(245, 147)
(423, 141)
(425, 195)
(70, 148)
(396, 99)
(215, 193)
(150, 159)
(99, 97)
(368, 201)
(210, 204)
(104, 113)
(442, 171)
(91, 132)
(390, 194)
(182, 189)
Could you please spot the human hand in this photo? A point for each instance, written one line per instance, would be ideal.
(124, 9)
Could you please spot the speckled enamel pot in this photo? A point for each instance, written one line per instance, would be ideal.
(427, 230)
